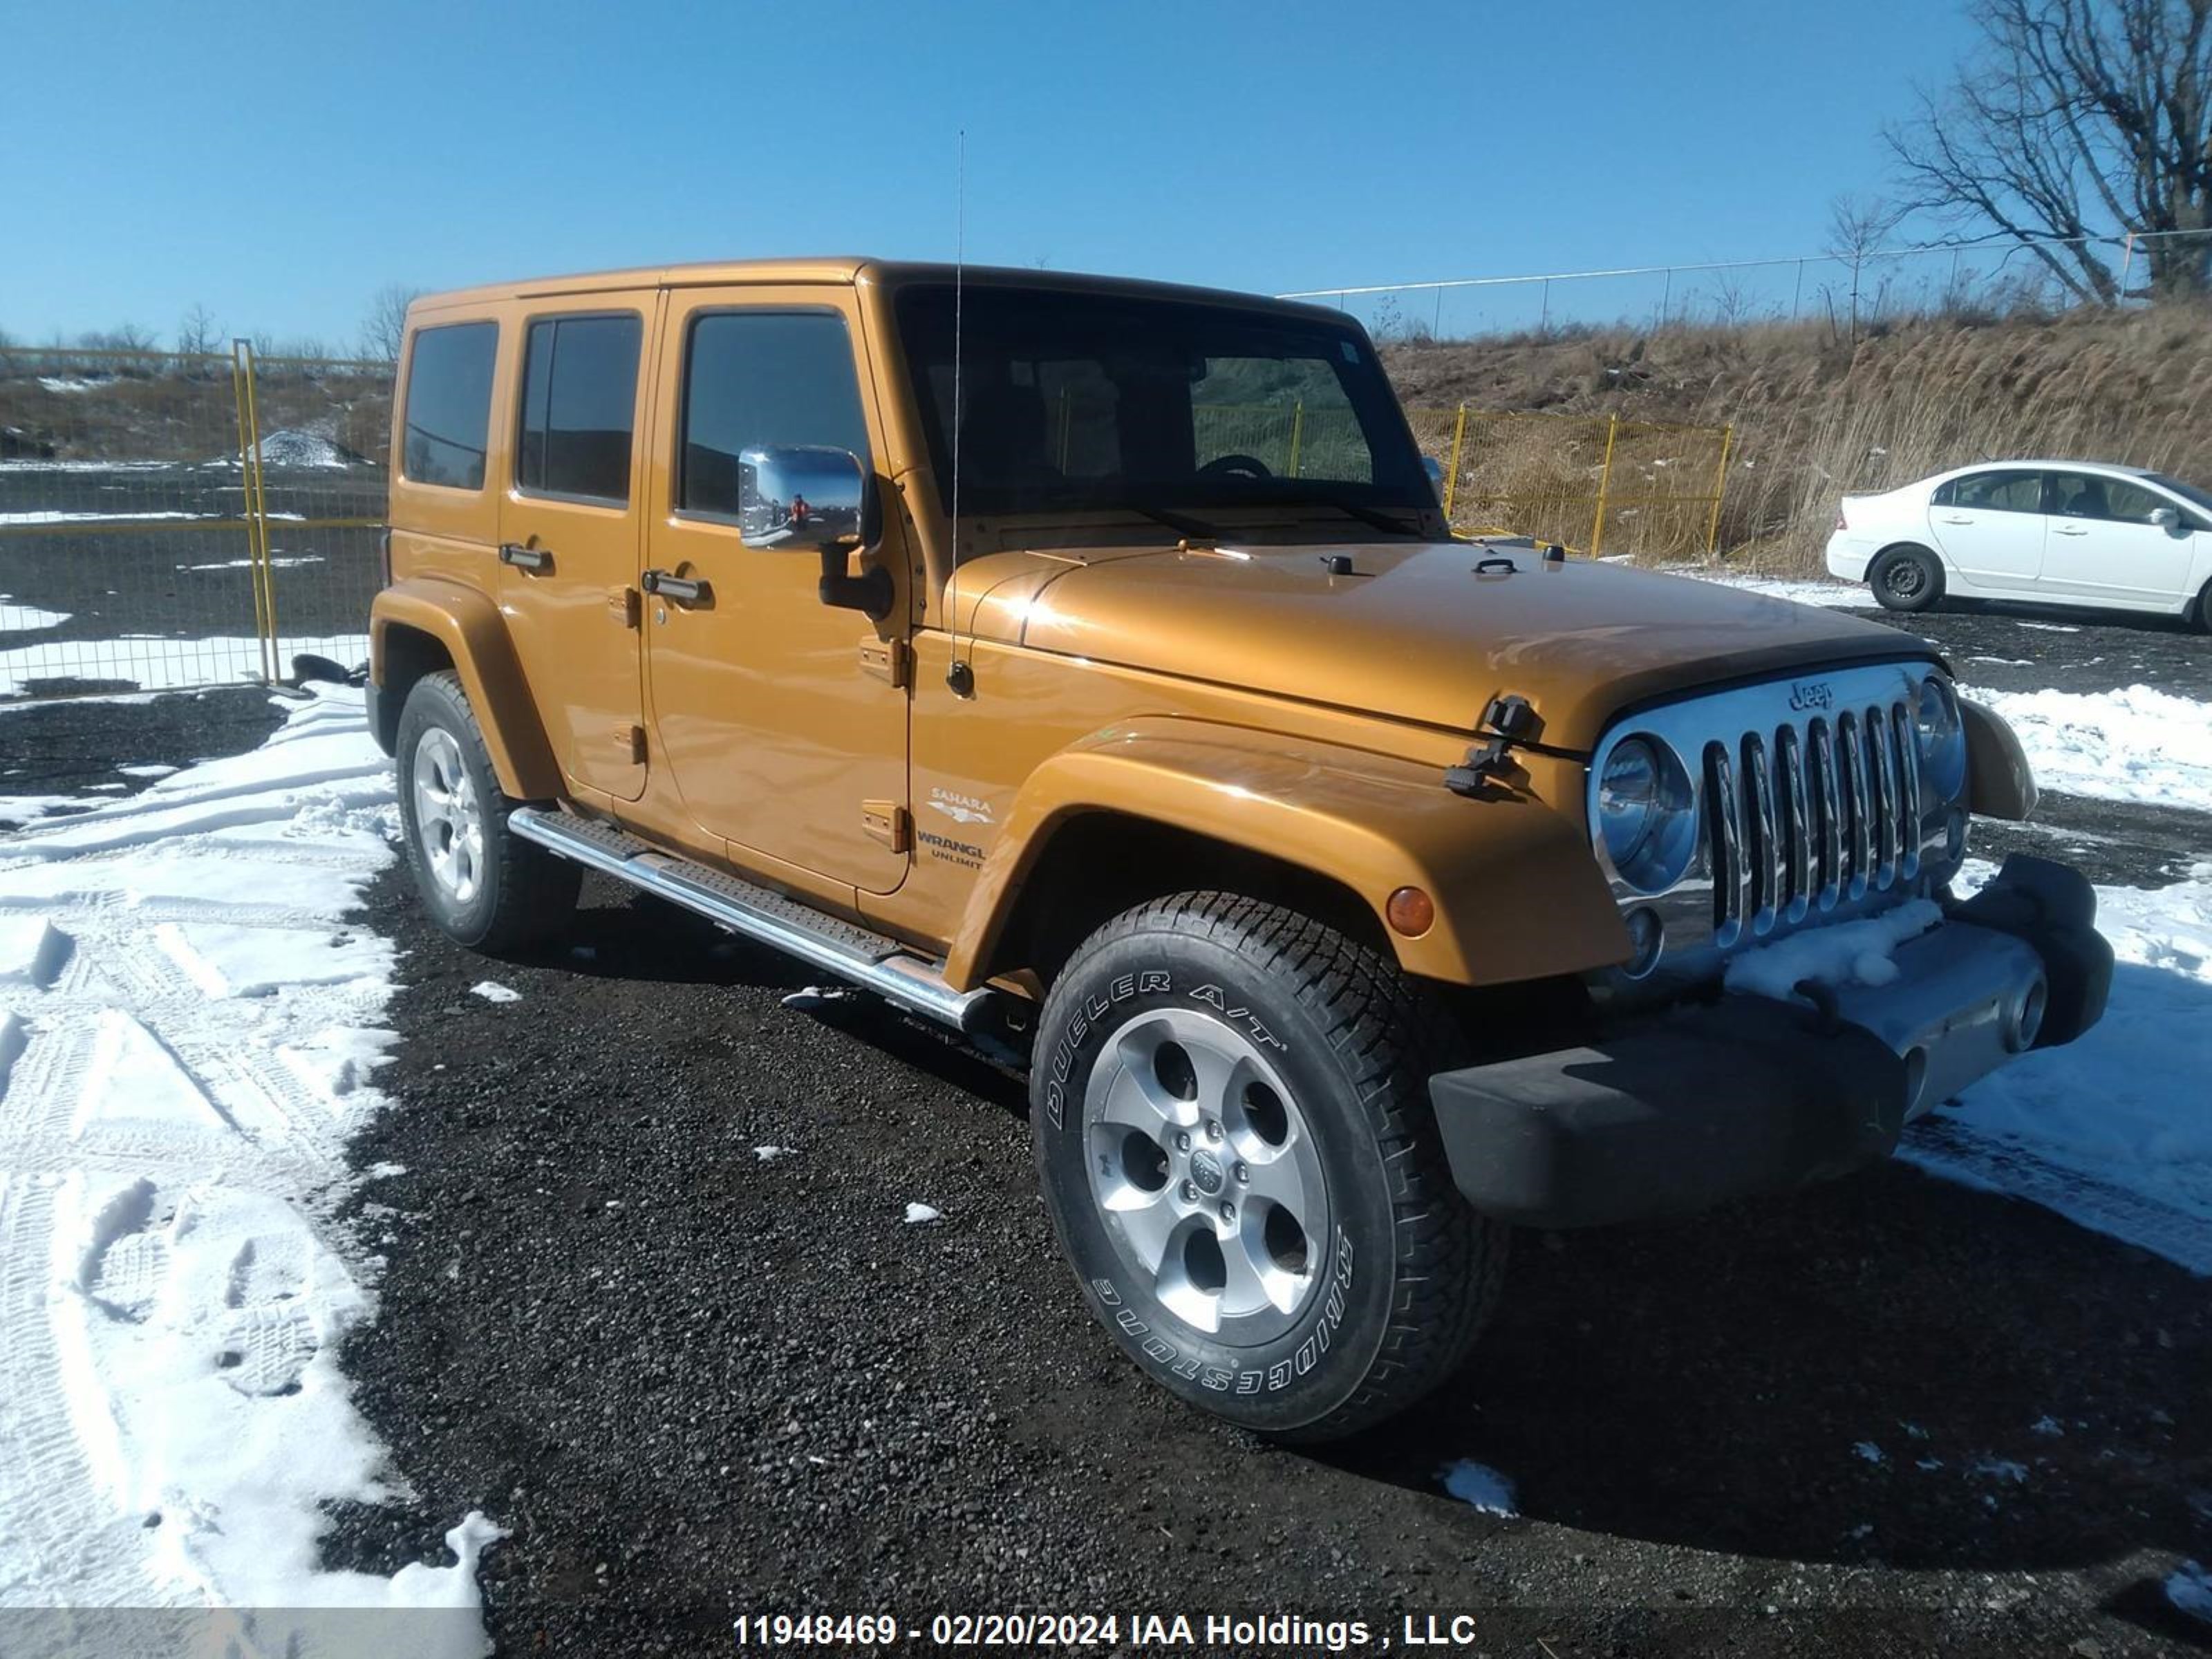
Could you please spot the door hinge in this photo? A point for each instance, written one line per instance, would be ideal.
(889, 822)
(632, 739)
(889, 661)
(624, 606)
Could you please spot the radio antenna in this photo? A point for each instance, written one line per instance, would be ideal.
(959, 674)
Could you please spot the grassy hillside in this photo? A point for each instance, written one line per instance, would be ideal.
(1817, 416)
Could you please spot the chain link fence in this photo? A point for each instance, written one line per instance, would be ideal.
(1596, 484)
(173, 519)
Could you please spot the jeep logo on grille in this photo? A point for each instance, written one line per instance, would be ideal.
(1811, 694)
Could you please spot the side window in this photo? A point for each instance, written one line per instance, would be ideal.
(448, 418)
(2000, 492)
(2132, 503)
(579, 404)
(756, 379)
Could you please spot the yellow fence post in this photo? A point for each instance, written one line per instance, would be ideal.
(1451, 476)
(1720, 490)
(1298, 432)
(252, 482)
(1604, 486)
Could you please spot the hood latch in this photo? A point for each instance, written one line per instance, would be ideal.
(1507, 720)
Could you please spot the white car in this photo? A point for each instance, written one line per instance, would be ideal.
(2063, 533)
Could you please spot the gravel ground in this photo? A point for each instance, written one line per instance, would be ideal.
(1889, 1415)
(77, 747)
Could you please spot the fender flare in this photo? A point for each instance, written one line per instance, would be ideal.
(2000, 783)
(468, 625)
(1519, 895)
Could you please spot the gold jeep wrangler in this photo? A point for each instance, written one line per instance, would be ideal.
(1086, 665)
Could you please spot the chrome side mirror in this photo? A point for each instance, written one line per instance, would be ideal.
(812, 496)
(2167, 518)
(1435, 469)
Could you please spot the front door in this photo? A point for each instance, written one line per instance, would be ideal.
(1990, 525)
(782, 720)
(2104, 546)
(569, 534)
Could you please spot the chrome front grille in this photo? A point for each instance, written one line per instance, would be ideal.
(1784, 835)
(1810, 808)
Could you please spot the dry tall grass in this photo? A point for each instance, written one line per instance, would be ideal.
(1817, 418)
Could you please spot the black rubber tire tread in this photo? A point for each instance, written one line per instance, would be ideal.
(534, 890)
(1449, 1261)
(1929, 597)
(2202, 614)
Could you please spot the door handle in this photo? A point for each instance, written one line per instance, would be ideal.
(2062, 530)
(682, 590)
(525, 558)
(1959, 518)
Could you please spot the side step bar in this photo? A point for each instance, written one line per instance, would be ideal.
(873, 960)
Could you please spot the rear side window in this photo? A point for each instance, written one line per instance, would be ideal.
(1997, 492)
(757, 379)
(578, 406)
(449, 404)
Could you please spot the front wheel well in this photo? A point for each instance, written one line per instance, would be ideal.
(408, 654)
(1103, 863)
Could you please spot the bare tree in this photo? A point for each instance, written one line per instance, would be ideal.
(2079, 122)
(198, 333)
(1858, 226)
(386, 326)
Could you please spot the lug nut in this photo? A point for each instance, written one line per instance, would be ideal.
(1212, 1129)
(1189, 1193)
(1243, 1172)
(1182, 1143)
(1228, 1212)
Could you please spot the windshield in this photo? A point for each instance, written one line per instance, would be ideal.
(1077, 401)
(2200, 499)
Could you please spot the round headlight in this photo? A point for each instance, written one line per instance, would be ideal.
(1645, 813)
(1940, 737)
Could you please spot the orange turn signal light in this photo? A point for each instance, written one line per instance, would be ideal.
(1411, 912)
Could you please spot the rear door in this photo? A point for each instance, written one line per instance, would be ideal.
(2104, 546)
(783, 720)
(569, 532)
(1989, 526)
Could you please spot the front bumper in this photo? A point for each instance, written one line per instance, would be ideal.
(1676, 1112)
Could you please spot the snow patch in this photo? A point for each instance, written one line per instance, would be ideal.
(1829, 595)
(2111, 1130)
(492, 991)
(31, 950)
(2188, 1586)
(1479, 1487)
(1867, 1452)
(187, 1030)
(918, 1215)
(2136, 743)
(21, 618)
(153, 663)
(1862, 953)
(770, 1154)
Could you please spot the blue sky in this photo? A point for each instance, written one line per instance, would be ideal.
(281, 163)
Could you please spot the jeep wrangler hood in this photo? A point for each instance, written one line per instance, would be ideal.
(1417, 633)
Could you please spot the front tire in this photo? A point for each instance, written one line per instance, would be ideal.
(1906, 578)
(485, 885)
(1229, 1105)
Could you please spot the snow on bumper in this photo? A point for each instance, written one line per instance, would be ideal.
(1760, 1092)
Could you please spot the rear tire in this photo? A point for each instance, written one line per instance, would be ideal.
(485, 885)
(1906, 578)
(1229, 1104)
(2201, 613)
